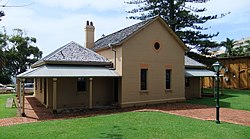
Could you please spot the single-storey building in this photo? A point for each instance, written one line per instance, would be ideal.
(141, 64)
(194, 73)
(236, 71)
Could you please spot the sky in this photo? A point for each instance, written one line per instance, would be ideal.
(57, 22)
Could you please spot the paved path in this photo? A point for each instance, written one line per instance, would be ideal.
(205, 113)
(36, 112)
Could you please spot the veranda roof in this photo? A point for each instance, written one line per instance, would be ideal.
(199, 73)
(68, 71)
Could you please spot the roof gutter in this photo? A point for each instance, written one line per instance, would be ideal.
(111, 47)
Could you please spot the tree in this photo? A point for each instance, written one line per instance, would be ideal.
(3, 44)
(21, 52)
(239, 51)
(4, 76)
(234, 51)
(229, 45)
(1, 14)
(184, 20)
(17, 53)
(247, 48)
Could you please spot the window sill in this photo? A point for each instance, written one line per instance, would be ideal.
(168, 90)
(144, 91)
(81, 92)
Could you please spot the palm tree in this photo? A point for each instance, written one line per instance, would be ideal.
(229, 44)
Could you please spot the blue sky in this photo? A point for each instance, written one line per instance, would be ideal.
(57, 22)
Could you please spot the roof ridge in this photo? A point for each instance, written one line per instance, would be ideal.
(120, 30)
(120, 35)
(57, 50)
(70, 53)
(89, 50)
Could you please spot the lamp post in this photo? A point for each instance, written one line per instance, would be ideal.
(217, 67)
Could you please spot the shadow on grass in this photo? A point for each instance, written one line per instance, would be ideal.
(114, 133)
(211, 101)
(228, 91)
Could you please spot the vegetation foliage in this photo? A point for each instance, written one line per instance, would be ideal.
(185, 20)
(17, 53)
(232, 51)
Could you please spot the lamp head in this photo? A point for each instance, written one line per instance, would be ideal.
(217, 66)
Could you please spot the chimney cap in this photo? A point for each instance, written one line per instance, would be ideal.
(89, 23)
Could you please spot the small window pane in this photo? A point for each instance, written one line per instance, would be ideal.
(143, 79)
(168, 79)
(157, 46)
(81, 84)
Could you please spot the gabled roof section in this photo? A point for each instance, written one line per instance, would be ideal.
(189, 62)
(73, 53)
(117, 38)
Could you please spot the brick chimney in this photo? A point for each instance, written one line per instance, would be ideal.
(89, 35)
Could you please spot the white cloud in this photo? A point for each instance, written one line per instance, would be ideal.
(99, 5)
(52, 33)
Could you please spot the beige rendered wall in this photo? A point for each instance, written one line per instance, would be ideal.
(108, 53)
(103, 91)
(49, 92)
(194, 89)
(41, 89)
(139, 51)
(68, 97)
(38, 89)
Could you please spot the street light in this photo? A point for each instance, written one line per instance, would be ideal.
(217, 67)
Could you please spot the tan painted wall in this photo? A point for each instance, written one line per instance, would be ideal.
(194, 90)
(68, 97)
(108, 53)
(139, 50)
(38, 89)
(102, 91)
(49, 92)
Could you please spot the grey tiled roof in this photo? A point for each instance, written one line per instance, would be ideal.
(117, 37)
(189, 62)
(73, 52)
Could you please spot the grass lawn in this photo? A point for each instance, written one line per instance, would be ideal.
(154, 125)
(235, 99)
(6, 112)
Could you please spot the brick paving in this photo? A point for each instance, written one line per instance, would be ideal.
(205, 113)
(36, 112)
